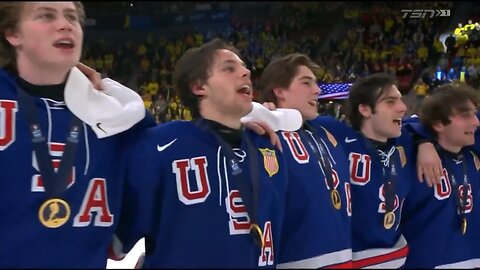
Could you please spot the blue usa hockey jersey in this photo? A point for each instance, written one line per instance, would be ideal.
(183, 199)
(76, 234)
(455, 251)
(315, 234)
(372, 243)
(431, 223)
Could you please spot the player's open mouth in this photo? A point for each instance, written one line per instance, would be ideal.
(398, 121)
(64, 43)
(245, 90)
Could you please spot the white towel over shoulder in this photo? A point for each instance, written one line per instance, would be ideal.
(109, 112)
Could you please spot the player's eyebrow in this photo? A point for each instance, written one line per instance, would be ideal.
(43, 8)
(306, 77)
(233, 62)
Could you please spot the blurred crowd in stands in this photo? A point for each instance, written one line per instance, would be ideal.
(138, 44)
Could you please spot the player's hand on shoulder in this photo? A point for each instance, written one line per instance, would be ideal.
(261, 128)
(429, 164)
(269, 105)
(94, 76)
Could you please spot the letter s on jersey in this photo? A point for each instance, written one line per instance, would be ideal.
(239, 223)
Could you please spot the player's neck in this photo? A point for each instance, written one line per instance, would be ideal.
(225, 119)
(445, 144)
(41, 75)
(368, 132)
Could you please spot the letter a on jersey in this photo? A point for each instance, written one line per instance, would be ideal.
(270, 161)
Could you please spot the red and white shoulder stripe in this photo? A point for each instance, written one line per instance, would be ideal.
(393, 257)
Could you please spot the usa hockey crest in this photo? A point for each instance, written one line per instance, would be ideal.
(270, 161)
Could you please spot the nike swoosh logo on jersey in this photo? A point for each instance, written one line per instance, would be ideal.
(347, 140)
(99, 127)
(163, 147)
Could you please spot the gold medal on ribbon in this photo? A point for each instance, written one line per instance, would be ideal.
(257, 234)
(336, 199)
(464, 225)
(53, 213)
(388, 220)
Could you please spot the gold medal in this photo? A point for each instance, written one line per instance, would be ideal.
(389, 220)
(257, 234)
(464, 225)
(53, 213)
(336, 199)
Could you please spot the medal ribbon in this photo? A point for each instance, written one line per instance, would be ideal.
(389, 179)
(321, 154)
(460, 199)
(54, 183)
(249, 190)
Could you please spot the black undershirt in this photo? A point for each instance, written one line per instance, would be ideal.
(447, 153)
(54, 91)
(384, 146)
(232, 136)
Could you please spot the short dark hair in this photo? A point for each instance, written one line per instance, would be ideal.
(280, 73)
(195, 67)
(443, 101)
(366, 91)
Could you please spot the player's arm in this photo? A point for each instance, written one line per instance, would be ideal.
(139, 201)
(262, 128)
(265, 119)
(113, 110)
(94, 76)
(340, 130)
(429, 165)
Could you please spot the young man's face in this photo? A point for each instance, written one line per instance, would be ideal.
(228, 91)
(302, 94)
(386, 121)
(460, 131)
(49, 35)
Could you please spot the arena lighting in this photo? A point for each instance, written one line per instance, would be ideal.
(334, 90)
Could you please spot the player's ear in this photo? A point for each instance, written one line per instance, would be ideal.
(12, 37)
(438, 126)
(198, 89)
(365, 110)
(279, 93)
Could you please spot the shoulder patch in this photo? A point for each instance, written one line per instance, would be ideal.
(330, 137)
(270, 161)
(403, 157)
(475, 160)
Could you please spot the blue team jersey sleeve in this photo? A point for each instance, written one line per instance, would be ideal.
(142, 177)
(340, 130)
(414, 127)
(146, 122)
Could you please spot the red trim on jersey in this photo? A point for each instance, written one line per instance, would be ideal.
(381, 258)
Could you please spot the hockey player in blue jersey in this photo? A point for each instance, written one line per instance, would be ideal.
(206, 193)
(380, 176)
(440, 223)
(316, 230)
(61, 186)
